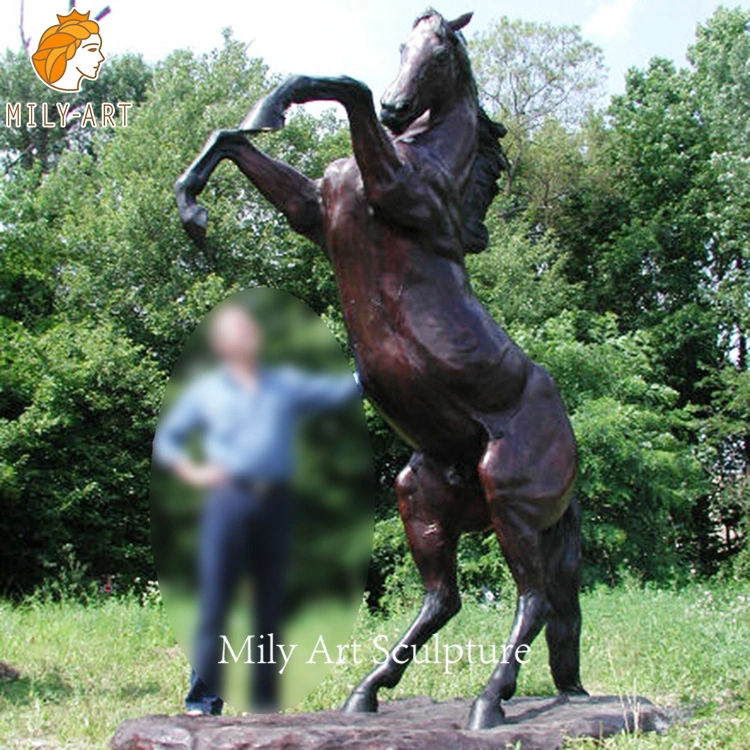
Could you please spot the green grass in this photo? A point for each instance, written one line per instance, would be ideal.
(85, 669)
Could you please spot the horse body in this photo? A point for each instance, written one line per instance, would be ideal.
(493, 444)
(439, 368)
(419, 334)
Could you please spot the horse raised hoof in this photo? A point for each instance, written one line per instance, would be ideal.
(195, 219)
(361, 702)
(485, 714)
(264, 117)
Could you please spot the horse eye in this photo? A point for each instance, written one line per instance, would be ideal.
(441, 53)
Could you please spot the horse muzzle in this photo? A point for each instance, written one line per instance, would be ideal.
(397, 116)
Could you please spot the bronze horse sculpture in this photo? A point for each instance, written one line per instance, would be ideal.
(493, 446)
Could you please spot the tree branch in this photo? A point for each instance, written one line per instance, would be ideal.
(25, 41)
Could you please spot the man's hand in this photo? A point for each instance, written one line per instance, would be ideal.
(203, 476)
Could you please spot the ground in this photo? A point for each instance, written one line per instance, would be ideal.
(86, 668)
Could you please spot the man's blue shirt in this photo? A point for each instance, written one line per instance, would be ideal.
(248, 431)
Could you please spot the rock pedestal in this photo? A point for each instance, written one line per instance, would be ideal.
(410, 724)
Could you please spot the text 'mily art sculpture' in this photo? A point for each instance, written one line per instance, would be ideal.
(493, 446)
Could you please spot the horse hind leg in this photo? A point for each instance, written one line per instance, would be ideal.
(517, 526)
(430, 507)
(562, 548)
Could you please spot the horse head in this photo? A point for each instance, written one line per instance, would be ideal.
(434, 63)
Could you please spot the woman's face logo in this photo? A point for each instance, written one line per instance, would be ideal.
(69, 52)
(88, 57)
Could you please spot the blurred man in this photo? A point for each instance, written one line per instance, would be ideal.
(245, 414)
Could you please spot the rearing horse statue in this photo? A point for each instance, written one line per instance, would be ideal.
(492, 442)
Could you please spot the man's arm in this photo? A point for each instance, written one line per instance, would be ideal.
(183, 419)
(315, 392)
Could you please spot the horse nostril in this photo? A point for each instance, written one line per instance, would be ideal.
(396, 115)
(397, 108)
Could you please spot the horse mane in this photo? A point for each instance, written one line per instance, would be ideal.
(489, 164)
(490, 161)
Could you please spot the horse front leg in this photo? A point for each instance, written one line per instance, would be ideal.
(294, 194)
(426, 504)
(374, 151)
(191, 183)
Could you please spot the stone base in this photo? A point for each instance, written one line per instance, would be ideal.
(410, 724)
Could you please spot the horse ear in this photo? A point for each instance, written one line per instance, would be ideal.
(460, 22)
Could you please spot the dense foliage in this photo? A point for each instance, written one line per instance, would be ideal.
(618, 259)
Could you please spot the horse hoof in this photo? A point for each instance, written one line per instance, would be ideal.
(361, 702)
(264, 117)
(485, 714)
(195, 221)
(574, 690)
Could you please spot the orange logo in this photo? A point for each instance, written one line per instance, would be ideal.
(68, 52)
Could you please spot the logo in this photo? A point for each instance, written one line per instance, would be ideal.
(68, 52)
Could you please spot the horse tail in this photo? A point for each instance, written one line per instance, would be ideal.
(562, 552)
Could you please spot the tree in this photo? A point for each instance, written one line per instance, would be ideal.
(722, 83)
(528, 73)
(551, 172)
(637, 224)
(638, 477)
(521, 278)
(655, 225)
(76, 421)
(101, 288)
(122, 79)
(624, 273)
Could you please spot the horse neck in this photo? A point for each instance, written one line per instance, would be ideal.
(454, 133)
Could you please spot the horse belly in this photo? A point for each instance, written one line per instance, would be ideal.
(418, 390)
(458, 346)
(421, 412)
(434, 375)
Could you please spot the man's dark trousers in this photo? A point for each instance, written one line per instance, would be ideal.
(245, 528)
